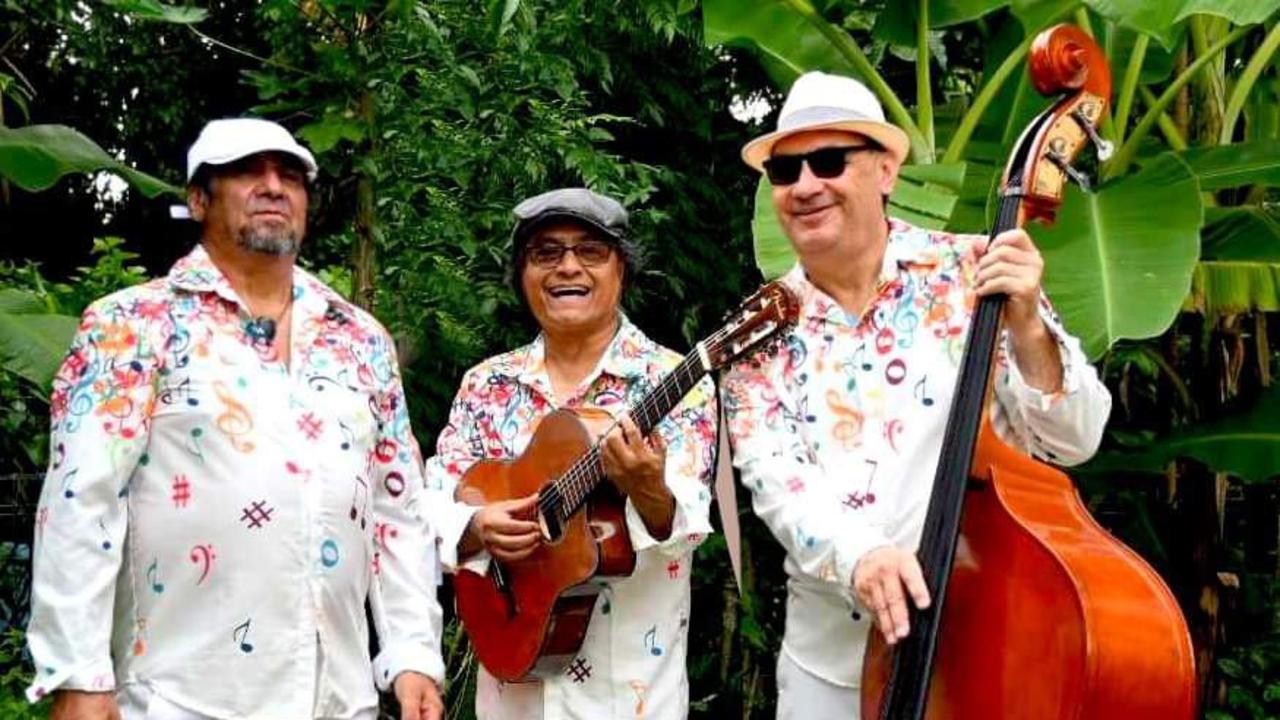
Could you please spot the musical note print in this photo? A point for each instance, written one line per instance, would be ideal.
(348, 437)
(329, 553)
(193, 444)
(311, 426)
(67, 491)
(106, 536)
(805, 539)
(385, 450)
(651, 642)
(394, 483)
(294, 468)
(857, 499)
(382, 531)
(59, 455)
(921, 393)
(182, 391)
(203, 556)
(240, 635)
(235, 421)
(892, 430)
(359, 498)
(884, 341)
(181, 490)
(153, 577)
(848, 429)
(895, 371)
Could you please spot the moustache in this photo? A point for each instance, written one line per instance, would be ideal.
(257, 205)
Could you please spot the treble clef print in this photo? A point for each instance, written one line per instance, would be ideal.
(235, 421)
(905, 318)
(848, 429)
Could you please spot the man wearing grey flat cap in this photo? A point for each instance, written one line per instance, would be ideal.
(839, 437)
(572, 260)
(233, 476)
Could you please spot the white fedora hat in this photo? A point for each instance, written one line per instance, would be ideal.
(820, 101)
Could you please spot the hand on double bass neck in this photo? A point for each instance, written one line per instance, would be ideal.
(636, 465)
(879, 581)
(1011, 264)
(505, 528)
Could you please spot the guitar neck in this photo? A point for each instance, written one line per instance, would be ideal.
(569, 491)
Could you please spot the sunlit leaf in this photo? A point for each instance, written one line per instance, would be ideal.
(1137, 238)
(790, 42)
(1227, 166)
(1160, 19)
(37, 156)
(158, 11)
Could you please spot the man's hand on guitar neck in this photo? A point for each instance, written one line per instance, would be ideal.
(636, 465)
(504, 529)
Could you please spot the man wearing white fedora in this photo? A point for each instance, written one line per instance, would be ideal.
(233, 475)
(838, 435)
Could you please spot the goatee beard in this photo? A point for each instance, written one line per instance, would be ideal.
(270, 242)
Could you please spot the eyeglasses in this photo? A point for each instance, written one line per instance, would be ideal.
(825, 162)
(588, 252)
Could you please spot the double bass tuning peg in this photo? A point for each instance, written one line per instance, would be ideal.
(1081, 116)
(1058, 158)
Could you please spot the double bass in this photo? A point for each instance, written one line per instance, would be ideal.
(1037, 611)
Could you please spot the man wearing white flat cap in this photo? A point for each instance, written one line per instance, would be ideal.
(232, 476)
(838, 437)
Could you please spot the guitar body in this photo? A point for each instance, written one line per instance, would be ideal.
(1047, 616)
(535, 625)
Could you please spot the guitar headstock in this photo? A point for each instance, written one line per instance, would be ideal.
(771, 311)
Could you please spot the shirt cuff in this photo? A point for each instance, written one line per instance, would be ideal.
(96, 676)
(399, 657)
(1029, 396)
(451, 524)
(684, 534)
(850, 550)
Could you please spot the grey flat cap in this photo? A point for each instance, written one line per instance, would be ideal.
(592, 209)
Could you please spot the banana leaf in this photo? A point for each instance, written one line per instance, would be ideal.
(1119, 261)
(1246, 445)
(37, 156)
(32, 340)
(1160, 19)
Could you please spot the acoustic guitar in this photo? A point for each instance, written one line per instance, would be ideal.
(528, 618)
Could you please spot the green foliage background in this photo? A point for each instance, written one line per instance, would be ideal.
(432, 118)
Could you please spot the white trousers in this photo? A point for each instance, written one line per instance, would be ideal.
(803, 696)
(139, 702)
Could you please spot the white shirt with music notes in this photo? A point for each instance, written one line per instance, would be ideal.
(632, 661)
(212, 521)
(837, 434)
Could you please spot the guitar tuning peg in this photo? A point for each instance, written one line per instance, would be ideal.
(1104, 147)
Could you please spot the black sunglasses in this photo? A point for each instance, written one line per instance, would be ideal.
(825, 162)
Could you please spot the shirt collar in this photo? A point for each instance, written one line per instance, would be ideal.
(197, 273)
(907, 248)
(625, 357)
